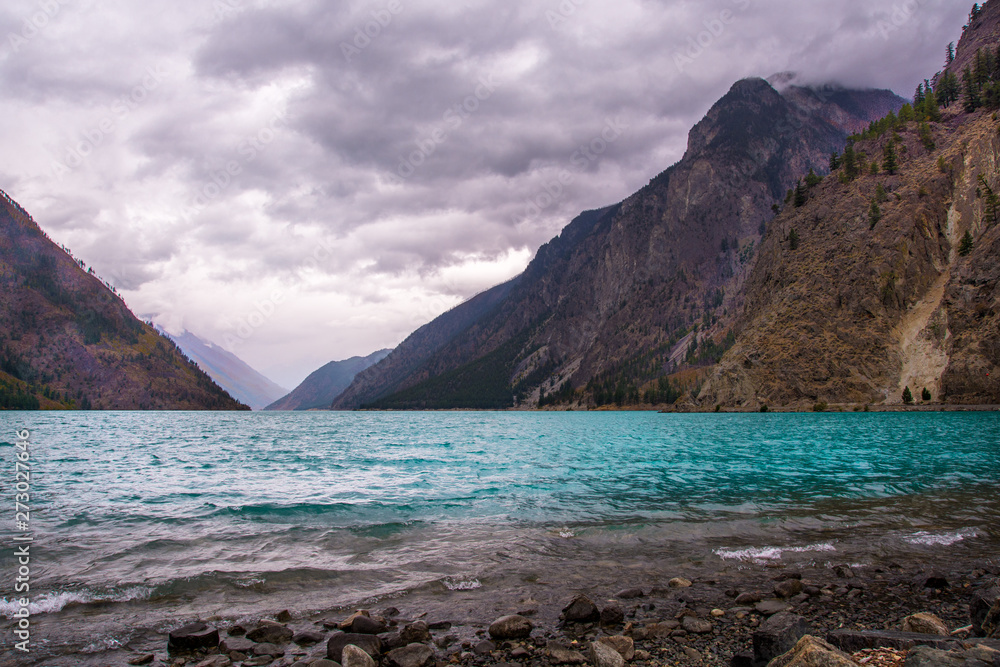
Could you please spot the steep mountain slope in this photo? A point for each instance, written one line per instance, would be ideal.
(611, 302)
(67, 341)
(872, 299)
(229, 371)
(326, 383)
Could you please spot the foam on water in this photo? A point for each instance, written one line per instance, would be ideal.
(48, 603)
(941, 539)
(461, 584)
(761, 554)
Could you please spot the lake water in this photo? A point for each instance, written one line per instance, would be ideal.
(143, 518)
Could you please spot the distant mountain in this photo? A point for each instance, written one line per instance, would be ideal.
(324, 385)
(628, 296)
(68, 341)
(231, 373)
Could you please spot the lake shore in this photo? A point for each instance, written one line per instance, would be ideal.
(704, 620)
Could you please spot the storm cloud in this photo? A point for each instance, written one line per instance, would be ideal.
(307, 181)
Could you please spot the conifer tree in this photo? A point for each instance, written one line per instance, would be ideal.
(874, 214)
(834, 161)
(931, 109)
(918, 96)
(971, 93)
(926, 137)
(907, 396)
(966, 245)
(850, 161)
(799, 198)
(889, 160)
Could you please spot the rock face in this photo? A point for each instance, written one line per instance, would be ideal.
(58, 317)
(631, 279)
(193, 636)
(982, 602)
(812, 652)
(862, 307)
(511, 627)
(925, 623)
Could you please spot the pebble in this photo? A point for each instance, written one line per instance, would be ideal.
(679, 582)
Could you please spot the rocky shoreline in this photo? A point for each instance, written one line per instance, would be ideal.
(747, 618)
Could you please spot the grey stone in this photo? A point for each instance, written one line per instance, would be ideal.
(657, 630)
(365, 625)
(352, 656)
(323, 662)
(560, 654)
(267, 648)
(142, 659)
(283, 616)
(370, 644)
(679, 582)
(630, 594)
(777, 635)
(258, 661)
(236, 631)
(613, 614)
(788, 588)
(624, 645)
(852, 641)
(439, 625)
(581, 610)
(484, 647)
(270, 632)
(241, 644)
(511, 627)
(991, 623)
(308, 637)
(602, 655)
(925, 656)
(692, 653)
(520, 653)
(391, 640)
(415, 633)
(215, 661)
(193, 636)
(769, 607)
(694, 625)
(413, 655)
(926, 624)
(748, 598)
(811, 651)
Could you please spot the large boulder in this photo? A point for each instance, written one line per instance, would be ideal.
(777, 635)
(193, 636)
(240, 644)
(415, 633)
(413, 655)
(925, 656)
(581, 610)
(811, 651)
(511, 627)
(613, 614)
(370, 644)
(561, 654)
(365, 625)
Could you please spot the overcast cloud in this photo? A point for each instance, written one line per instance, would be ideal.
(308, 181)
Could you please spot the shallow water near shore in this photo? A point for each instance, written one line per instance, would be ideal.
(144, 520)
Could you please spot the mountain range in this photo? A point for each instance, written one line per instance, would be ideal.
(747, 275)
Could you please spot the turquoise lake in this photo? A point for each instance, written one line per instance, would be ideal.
(141, 515)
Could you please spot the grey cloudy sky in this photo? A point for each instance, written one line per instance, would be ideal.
(304, 181)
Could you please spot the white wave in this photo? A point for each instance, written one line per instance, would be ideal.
(470, 584)
(941, 539)
(760, 554)
(48, 603)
